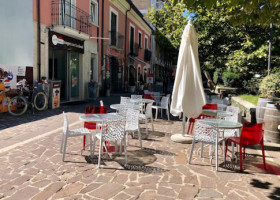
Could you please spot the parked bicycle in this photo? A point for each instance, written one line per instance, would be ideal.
(37, 98)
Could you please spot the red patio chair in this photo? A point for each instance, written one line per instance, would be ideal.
(92, 125)
(251, 134)
(202, 116)
(148, 96)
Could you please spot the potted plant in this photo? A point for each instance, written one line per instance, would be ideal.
(131, 83)
(141, 81)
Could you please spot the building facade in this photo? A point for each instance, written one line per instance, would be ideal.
(90, 40)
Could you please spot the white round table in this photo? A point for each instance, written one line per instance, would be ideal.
(142, 100)
(98, 118)
(125, 106)
(214, 113)
(222, 124)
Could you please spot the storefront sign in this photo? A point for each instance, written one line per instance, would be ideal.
(60, 41)
(8, 75)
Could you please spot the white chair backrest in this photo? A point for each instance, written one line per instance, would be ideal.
(101, 103)
(204, 132)
(113, 129)
(65, 124)
(136, 96)
(125, 100)
(148, 112)
(132, 119)
(164, 101)
(235, 111)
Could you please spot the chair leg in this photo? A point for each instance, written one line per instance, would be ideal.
(125, 151)
(167, 110)
(140, 138)
(161, 113)
(90, 147)
(216, 152)
(264, 166)
(201, 152)
(146, 122)
(84, 142)
(64, 148)
(156, 113)
(190, 157)
(240, 158)
(99, 156)
(94, 141)
(226, 149)
(152, 122)
(244, 152)
(62, 142)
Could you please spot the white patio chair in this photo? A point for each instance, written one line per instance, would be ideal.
(125, 100)
(142, 105)
(218, 101)
(227, 133)
(206, 134)
(72, 133)
(163, 105)
(157, 98)
(132, 124)
(113, 130)
(101, 103)
(148, 116)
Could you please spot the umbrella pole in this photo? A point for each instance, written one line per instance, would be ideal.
(184, 125)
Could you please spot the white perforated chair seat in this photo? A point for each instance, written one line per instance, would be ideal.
(79, 131)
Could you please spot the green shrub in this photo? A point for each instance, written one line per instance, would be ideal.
(231, 79)
(270, 86)
(252, 85)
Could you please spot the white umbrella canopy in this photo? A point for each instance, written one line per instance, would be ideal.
(188, 94)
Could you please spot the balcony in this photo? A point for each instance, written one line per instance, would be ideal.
(147, 55)
(68, 15)
(116, 39)
(134, 49)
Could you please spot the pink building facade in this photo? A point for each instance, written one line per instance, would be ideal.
(90, 41)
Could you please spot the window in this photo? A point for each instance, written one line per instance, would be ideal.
(146, 42)
(113, 27)
(140, 39)
(131, 44)
(93, 12)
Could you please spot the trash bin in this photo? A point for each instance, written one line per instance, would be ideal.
(92, 90)
(54, 94)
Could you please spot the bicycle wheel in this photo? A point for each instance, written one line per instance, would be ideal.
(17, 106)
(40, 101)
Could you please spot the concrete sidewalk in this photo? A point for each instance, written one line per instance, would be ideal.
(32, 168)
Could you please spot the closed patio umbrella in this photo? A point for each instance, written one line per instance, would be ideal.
(188, 94)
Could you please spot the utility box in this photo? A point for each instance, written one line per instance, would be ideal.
(54, 94)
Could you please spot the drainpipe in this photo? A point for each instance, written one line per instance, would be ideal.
(39, 40)
(102, 34)
(125, 39)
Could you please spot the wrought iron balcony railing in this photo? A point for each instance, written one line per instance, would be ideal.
(67, 14)
(116, 39)
(134, 49)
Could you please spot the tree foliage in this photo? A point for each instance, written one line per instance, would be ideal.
(241, 12)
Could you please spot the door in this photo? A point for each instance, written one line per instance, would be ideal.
(74, 75)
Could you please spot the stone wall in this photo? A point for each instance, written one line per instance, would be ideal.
(248, 110)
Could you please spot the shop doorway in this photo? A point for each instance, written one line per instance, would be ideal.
(65, 66)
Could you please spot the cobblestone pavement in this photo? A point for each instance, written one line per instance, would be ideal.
(32, 168)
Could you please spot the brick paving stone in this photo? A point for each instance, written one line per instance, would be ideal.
(91, 187)
(148, 195)
(49, 191)
(164, 191)
(188, 192)
(25, 193)
(69, 190)
(210, 193)
(101, 191)
(121, 196)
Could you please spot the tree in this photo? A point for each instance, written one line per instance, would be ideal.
(169, 22)
(241, 12)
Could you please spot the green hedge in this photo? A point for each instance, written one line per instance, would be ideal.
(231, 79)
(270, 86)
